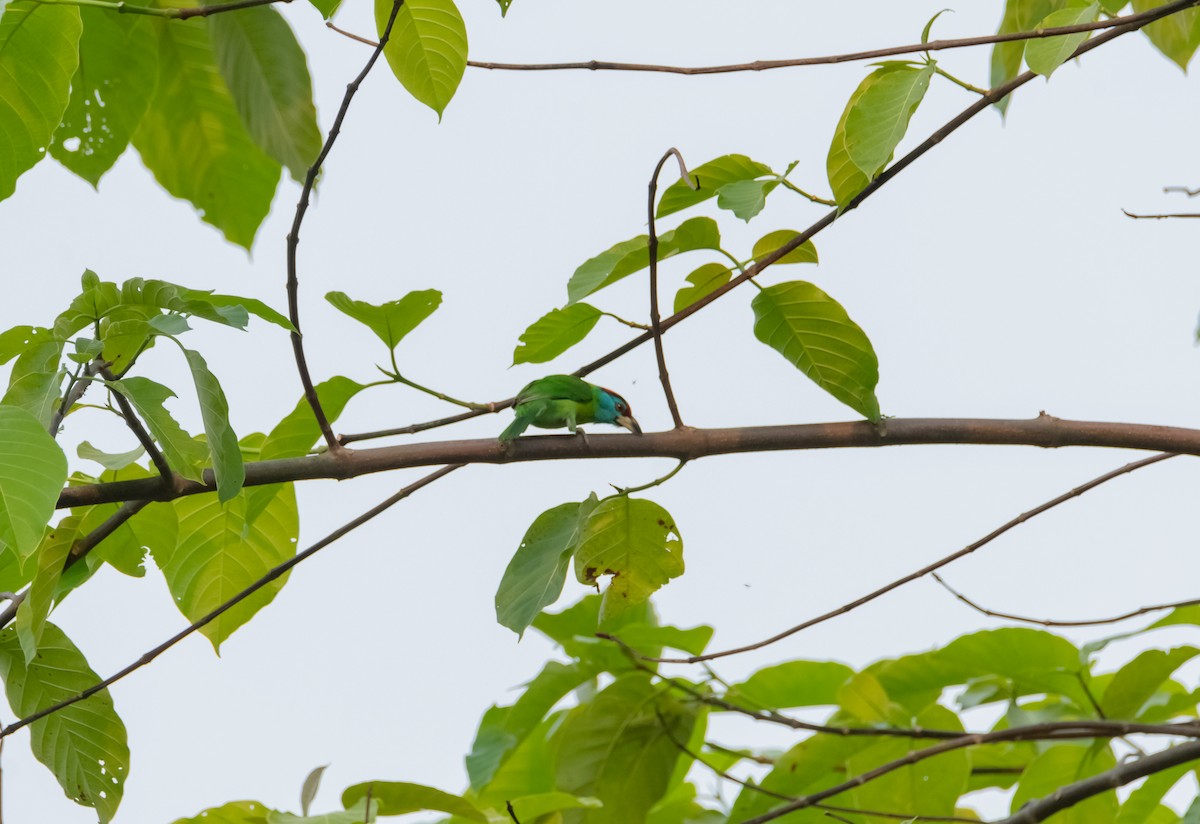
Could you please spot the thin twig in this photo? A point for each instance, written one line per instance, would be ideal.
(512, 813)
(1184, 189)
(78, 387)
(121, 7)
(926, 570)
(1045, 622)
(293, 238)
(1132, 23)
(1160, 217)
(681, 444)
(166, 474)
(1072, 794)
(655, 318)
(763, 65)
(273, 574)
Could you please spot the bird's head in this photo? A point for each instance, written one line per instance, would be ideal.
(617, 411)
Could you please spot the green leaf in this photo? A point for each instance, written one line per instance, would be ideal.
(115, 79)
(806, 252)
(185, 455)
(169, 324)
(1143, 801)
(235, 812)
(400, 797)
(504, 4)
(534, 577)
(555, 332)
(38, 55)
(814, 764)
(863, 698)
(636, 542)
(649, 640)
(38, 393)
(1176, 35)
(33, 470)
(308, 791)
(222, 442)
(251, 305)
(219, 554)
(328, 8)
(533, 807)
(633, 255)
(793, 684)
(51, 557)
(84, 745)
(814, 333)
(354, 814)
(194, 142)
(745, 198)
(1048, 53)
(580, 619)
(705, 280)
(1137, 682)
(267, 74)
(1064, 764)
(872, 125)
(393, 320)
(618, 748)
(14, 341)
(109, 460)
(427, 50)
(711, 178)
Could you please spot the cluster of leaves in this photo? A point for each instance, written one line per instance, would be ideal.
(604, 737)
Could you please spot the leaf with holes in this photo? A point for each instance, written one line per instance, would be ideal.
(219, 554)
(815, 334)
(555, 332)
(633, 255)
(636, 542)
(427, 50)
(267, 74)
(84, 745)
(39, 52)
(33, 470)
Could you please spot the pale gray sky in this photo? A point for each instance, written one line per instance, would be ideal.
(996, 278)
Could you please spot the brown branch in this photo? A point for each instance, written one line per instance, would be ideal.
(293, 238)
(1192, 751)
(273, 574)
(208, 11)
(1072, 794)
(655, 318)
(681, 444)
(1184, 189)
(166, 474)
(1043, 622)
(78, 388)
(1131, 23)
(926, 570)
(1160, 217)
(763, 65)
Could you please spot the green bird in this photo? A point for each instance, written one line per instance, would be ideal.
(556, 401)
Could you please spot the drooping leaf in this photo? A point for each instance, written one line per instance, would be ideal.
(185, 455)
(251, 305)
(171, 324)
(704, 281)
(222, 442)
(194, 142)
(710, 178)
(219, 554)
(51, 557)
(427, 49)
(1046, 54)
(84, 745)
(1064, 764)
(400, 797)
(38, 55)
(113, 84)
(534, 577)
(792, 684)
(393, 320)
(636, 542)
(555, 332)
(633, 255)
(806, 252)
(33, 470)
(267, 74)
(745, 198)
(1176, 35)
(814, 333)
(872, 125)
(235, 812)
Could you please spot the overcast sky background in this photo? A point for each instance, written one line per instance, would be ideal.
(996, 278)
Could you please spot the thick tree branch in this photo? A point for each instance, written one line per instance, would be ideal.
(1072, 794)
(681, 444)
(293, 238)
(275, 573)
(652, 246)
(923, 571)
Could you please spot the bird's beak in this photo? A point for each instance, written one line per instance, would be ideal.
(629, 423)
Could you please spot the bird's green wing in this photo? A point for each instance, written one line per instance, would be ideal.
(556, 388)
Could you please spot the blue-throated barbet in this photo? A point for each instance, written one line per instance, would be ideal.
(556, 401)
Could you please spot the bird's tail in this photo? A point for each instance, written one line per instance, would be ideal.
(514, 430)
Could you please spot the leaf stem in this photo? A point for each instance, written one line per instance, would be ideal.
(964, 84)
(658, 482)
(787, 184)
(398, 378)
(630, 323)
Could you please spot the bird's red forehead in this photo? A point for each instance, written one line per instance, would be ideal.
(617, 397)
